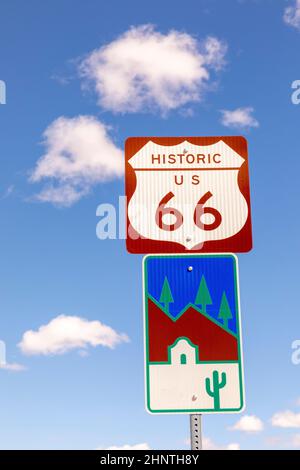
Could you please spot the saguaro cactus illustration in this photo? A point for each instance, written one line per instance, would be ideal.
(214, 391)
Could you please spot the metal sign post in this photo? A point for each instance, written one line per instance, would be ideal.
(196, 431)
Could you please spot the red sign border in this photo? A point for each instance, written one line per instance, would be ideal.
(238, 243)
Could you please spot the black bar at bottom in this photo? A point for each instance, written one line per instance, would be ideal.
(132, 459)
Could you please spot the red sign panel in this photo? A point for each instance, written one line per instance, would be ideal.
(187, 194)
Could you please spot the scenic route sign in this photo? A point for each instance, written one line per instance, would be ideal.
(193, 349)
(187, 194)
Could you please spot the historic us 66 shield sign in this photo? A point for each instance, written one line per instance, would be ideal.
(187, 194)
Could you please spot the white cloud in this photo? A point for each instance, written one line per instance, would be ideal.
(9, 190)
(142, 446)
(64, 333)
(286, 419)
(209, 444)
(79, 153)
(292, 14)
(144, 69)
(295, 441)
(83, 353)
(248, 423)
(275, 441)
(283, 441)
(12, 366)
(240, 118)
(61, 195)
(233, 446)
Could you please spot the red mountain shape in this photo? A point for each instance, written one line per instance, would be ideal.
(214, 342)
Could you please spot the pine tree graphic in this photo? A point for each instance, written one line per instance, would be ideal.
(203, 297)
(224, 312)
(166, 295)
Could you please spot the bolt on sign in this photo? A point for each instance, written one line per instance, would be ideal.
(193, 349)
(187, 194)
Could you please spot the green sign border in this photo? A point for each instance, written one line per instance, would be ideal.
(239, 336)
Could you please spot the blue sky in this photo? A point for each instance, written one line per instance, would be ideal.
(53, 264)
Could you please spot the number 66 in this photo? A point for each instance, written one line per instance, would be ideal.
(162, 210)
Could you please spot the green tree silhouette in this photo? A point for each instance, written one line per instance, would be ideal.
(166, 295)
(203, 297)
(224, 312)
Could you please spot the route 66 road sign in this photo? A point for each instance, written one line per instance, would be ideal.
(193, 348)
(187, 194)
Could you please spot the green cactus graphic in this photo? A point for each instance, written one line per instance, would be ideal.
(217, 385)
